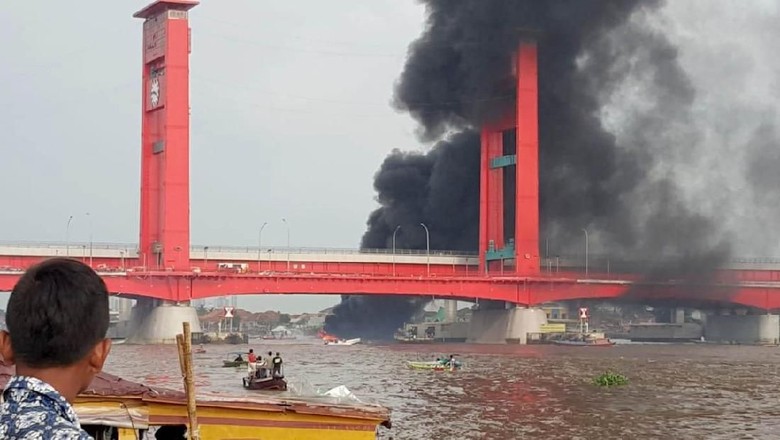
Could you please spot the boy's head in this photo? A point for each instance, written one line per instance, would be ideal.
(57, 318)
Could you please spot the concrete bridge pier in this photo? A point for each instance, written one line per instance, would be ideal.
(739, 327)
(158, 322)
(497, 322)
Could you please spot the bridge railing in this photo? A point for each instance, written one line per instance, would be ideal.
(330, 251)
(597, 263)
(606, 263)
(133, 247)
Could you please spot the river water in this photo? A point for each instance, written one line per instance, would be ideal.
(692, 391)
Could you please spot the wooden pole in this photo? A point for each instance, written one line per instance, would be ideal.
(184, 342)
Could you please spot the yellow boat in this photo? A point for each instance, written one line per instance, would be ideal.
(124, 410)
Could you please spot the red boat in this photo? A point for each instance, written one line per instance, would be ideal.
(327, 338)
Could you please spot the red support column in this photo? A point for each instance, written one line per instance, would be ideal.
(491, 212)
(527, 195)
(165, 130)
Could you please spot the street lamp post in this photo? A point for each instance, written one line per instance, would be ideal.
(122, 258)
(284, 220)
(394, 232)
(67, 237)
(205, 258)
(260, 244)
(427, 246)
(90, 239)
(586, 250)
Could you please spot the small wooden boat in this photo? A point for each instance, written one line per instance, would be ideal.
(602, 342)
(432, 365)
(265, 383)
(343, 342)
(135, 411)
(231, 360)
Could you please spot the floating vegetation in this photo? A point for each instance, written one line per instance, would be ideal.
(610, 379)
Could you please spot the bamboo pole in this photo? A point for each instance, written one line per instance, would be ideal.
(184, 343)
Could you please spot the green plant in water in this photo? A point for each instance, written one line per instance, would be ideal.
(610, 379)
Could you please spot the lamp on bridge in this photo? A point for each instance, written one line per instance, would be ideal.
(284, 220)
(395, 232)
(67, 237)
(90, 239)
(260, 244)
(427, 247)
(586, 250)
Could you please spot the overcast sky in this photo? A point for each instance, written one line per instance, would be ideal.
(291, 115)
(290, 118)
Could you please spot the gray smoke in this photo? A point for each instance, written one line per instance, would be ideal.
(628, 149)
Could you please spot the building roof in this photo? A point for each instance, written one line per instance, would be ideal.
(162, 5)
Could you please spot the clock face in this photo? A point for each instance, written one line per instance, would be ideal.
(154, 93)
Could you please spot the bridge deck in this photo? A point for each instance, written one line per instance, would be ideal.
(115, 252)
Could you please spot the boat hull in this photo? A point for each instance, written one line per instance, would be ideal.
(431, 366)
(347, 342)
(595, 343)
(234, 364)
(267, 384)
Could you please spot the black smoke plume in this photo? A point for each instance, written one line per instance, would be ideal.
(607, 173)
(440, 189)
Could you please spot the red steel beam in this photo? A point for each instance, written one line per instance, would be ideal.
(527, 192)
(518, 290)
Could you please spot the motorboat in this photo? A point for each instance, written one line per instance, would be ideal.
(433, 365)
(599, 342)
(343, 342)
(267, 383)
(235, 359)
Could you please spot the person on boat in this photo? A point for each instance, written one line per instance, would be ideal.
(276, 364)
(239, 358)
(262, 367)
(451, 362)
(57, 319)
(252, 362)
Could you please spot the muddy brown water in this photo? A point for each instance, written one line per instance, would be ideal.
(507, 392)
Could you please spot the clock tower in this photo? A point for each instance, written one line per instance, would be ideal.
(165, 136)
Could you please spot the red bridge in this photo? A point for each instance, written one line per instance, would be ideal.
(508, 266)
(218, 271)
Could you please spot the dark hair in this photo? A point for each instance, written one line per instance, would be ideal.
(251, 350)
(277, 353)
(270, 354)
(57, 312)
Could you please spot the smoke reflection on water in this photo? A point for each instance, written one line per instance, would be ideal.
(507, 392)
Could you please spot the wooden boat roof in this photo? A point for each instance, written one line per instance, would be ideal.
(106, 385)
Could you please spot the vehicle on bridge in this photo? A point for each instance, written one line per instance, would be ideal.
(233, 267)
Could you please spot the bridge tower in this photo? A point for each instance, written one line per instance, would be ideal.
(164, 242)
(165, 136)
(509, 177)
